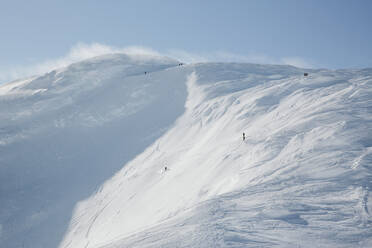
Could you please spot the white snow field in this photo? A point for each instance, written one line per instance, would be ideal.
(83, 152)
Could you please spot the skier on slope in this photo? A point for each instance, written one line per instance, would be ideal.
(243, 136)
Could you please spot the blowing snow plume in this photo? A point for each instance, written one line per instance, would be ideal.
(302, 176)
(77, 53)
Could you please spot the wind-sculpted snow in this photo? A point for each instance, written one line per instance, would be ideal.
(301, 178)
(65, 133)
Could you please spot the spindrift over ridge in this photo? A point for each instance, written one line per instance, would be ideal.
(83, 150)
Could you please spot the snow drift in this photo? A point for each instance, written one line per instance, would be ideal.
(64, 133)
(302, 177)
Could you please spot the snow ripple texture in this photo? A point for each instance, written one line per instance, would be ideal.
(301, 178)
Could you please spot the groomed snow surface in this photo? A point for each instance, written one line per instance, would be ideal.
(83, 152)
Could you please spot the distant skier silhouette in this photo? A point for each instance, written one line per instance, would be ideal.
(243, 136)
(165, 168)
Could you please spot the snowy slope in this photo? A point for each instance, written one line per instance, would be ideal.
(64, 133)
(301, 178)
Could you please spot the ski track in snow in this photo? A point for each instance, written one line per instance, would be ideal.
(302, 177)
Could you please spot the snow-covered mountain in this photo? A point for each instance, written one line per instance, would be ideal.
(83, 152)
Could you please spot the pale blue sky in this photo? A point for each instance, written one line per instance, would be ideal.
(319, 33)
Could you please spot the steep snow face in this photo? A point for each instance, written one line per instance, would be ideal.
(302, 177)
(63, 134)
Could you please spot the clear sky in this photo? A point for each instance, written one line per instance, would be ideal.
(318, 33)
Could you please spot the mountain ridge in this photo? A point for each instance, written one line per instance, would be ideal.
(302, 173)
